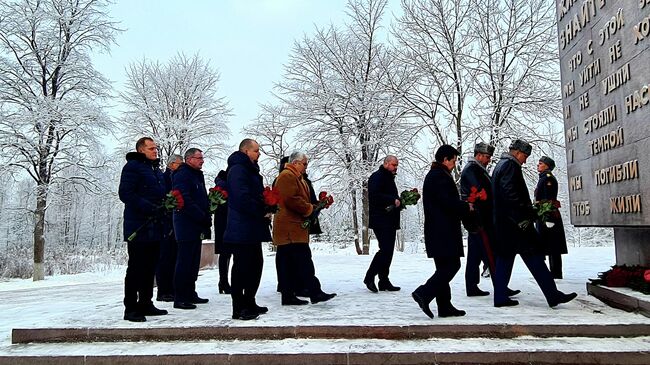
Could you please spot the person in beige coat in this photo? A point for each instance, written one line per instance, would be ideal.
(294, 264)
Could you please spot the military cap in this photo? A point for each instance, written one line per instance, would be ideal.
(548, 161)
(483, 147)
(521, 145)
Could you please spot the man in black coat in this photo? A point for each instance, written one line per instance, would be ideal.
(513, 218)
(475, 176)
(167, 262)
(220, 248)
(384, 209)
(443, 210)
(552, 232)
(191, 225)
(142, 190)
(247, 227)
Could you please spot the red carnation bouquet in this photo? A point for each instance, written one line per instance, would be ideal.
(324, 202)
(475, 194)
(217, 196)
(173, 200)
(271, 199)
(407, 197)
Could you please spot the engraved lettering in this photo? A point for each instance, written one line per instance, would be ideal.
(643, 3)
(575, 182)
(589, 72)
(600, 119)
(638, 99)
(572, 134)
(615, 52)
(581, 208)
(567, 112)
(611, 27)
(569, 89)
(613, 174)
(616, 79)
(625, 204)
(575, 61)
(607, 142)
(579, 20)
(641, 30)
(584, 101)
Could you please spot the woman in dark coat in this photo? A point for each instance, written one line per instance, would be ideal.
(443, 210)
(553, 237)
(220, 248)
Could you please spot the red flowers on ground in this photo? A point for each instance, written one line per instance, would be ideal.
(271, 199)
(217, 196)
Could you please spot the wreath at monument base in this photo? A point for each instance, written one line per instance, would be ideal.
(634, 277)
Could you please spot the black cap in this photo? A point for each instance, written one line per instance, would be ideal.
(521, 145)
(548, 161)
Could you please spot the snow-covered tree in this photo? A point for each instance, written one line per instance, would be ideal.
(175, 103)
(51, 94)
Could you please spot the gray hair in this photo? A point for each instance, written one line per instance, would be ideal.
(189, 153)
(297, 156)
(172, 158)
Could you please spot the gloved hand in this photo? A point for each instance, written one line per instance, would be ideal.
(314, 215)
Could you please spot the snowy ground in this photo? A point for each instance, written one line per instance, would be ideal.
(95, 300)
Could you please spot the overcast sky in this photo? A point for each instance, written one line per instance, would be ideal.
(248, 41)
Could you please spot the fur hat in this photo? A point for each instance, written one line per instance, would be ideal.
(483, 147)
(521, 145)
(548, 161)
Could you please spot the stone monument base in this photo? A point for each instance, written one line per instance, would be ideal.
(632, 246)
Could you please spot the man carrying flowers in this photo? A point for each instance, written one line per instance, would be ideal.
(384, 211)
(142, 190)
(294, 263)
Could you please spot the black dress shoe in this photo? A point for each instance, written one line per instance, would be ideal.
(303, 293)
(198, 300)
(512, 293)
(322, 297)
(424, 305)
(244, 315)
(134, 317)
(184, 305)
(259, 309)
(562, 298)
(507, 303)
(450, 311)
(370, 284)
(151, 310)
(293, 300)
(165, 298)
(476, 292)
(387, 286)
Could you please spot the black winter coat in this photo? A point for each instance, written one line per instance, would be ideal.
(443, 210)
(220, 217)
(246, 222)
(193, 221)
(314, 228)
(512, 206)
(552, 238)
(142, 190)
(382, 193)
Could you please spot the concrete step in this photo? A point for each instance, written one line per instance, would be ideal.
(504, 331)
(519, 350)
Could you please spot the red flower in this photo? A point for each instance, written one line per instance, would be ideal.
(271, 199)
(324, 202)
(217, 196)
(475, 194)
(174, 200)
(646, 276)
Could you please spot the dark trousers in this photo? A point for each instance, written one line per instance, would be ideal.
(438, 285)
(537, 268)
(188, 260)
(246, 274)
(555, 265)
(295, 269)
(224, 266)
(140, 272)
(166, 267)
(380, 264)
(475, 255)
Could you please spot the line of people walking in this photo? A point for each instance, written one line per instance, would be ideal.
(166, 243)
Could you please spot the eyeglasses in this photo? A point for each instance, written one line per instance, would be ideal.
(198, 158)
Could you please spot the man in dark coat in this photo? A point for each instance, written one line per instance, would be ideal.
(513, 218)
(384, 210)
(475, 176)
(246, 229)
(142, 190)
(220, 248)
(552, 232)
(167, 262)
(191, 225)
(443, 239)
